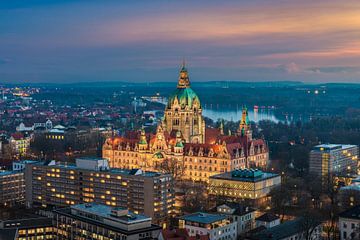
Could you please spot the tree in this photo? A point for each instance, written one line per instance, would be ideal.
(309, 222)
(173, 166)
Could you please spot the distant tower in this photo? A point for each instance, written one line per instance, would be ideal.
(244, 126)
(221, 128)
(183, 111)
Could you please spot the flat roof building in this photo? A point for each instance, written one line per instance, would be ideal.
(97, 221)
(243, 184)
(90, 180)
(12, 188)
(35, 227)
(326, 159)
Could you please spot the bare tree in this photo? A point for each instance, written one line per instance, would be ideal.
(173, 166)
(309, 223)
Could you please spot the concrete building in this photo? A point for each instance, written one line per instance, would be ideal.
(96, 221)
(183, 140)
(36, 227)
(242, 215)
(326, 159)
(249, 184)
(91, 180)
(349, 223)
(12, 188)
(216, 226)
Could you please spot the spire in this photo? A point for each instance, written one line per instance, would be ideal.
(221, 128)
(183, 81)
(142, 137)
(244, 127)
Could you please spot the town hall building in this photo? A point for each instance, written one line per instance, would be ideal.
(184, 146)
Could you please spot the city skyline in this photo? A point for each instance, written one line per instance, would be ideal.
(146, 41)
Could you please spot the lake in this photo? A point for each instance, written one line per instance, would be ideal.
(235, 114)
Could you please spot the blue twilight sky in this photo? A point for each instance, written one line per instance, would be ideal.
(75, 41)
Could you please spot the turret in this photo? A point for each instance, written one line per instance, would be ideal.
(143, 142)
(221, 128)
(244, 126)
(179, 146)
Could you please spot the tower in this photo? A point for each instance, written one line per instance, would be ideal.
(183, 112)
(244, 126)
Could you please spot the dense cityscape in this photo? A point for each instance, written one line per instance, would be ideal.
(181, 159)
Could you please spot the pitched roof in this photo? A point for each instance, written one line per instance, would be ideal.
(281, 231)
(267, 217)
(352, 213)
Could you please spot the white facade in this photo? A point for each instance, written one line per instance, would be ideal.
(245, 220)
(216, 226)
(92, 163)
(349, 228)
(228, 231)
(269, 224)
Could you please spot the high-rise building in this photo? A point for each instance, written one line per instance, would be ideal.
(326, 159)
(183, 140)
(12, 188)
(96, 221)
(91, 180)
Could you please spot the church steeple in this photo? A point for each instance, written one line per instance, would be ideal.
(184, 81)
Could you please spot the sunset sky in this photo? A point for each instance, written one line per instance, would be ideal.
(80, 41)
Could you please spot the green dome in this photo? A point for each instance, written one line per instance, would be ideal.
(158, 155)
(185, 96)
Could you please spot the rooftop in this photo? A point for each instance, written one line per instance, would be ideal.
(28, 222)
(245, 175)
(267, 217)
(111, 170)
(352, 213)
(106, 212)
(205, 218)
(6, 173)
(329, 146)
(281, 231)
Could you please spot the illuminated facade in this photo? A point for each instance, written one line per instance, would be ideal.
(329, 159)
(216, 226)
(20, 143)
(96, 221)
(182, 138)
(243, 184)
(12, 188)
(36, 227)
(91, 180)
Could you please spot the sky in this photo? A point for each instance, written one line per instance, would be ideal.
(146, 41)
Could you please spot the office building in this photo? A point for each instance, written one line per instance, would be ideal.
(97, 221)
(91, 180)
(326, 159)
(36, 227)
(12, 188)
